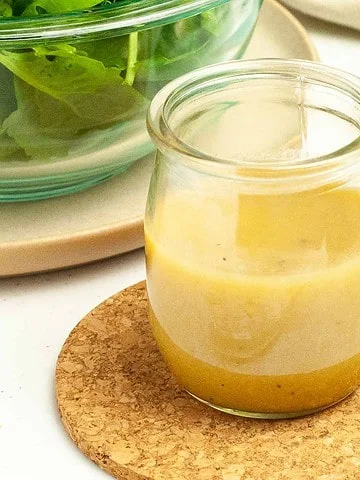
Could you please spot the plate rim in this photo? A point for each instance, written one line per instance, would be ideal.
(313, 53)
(132, 228)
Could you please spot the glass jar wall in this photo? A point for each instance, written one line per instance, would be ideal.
(252, 235)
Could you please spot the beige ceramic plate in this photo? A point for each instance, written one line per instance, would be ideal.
(107, 220)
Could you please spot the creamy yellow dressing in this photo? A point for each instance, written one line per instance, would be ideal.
(255, 301)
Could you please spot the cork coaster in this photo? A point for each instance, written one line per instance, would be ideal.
(124, 410)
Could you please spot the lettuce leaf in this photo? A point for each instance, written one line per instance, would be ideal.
(112, 52)
(40, 7)
(61, 93)
(58, 71)
(29, 128)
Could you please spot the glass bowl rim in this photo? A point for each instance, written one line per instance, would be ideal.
(121, 18)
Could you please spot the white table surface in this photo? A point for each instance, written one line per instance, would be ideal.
(38, 312)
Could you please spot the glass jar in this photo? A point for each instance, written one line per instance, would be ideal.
(75, 86)
(252, 235)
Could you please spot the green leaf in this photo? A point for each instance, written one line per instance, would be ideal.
(211, 20)
(8, 146)
(6, 8)
(178, 48)
(132, 58)
(112, 52)
(44, 125)
(67, 92)
(7, 94)
(57, 70)
(39, 126)
(57, 6)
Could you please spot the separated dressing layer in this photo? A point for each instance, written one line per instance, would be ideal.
(255, 299)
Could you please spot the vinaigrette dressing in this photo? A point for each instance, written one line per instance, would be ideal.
(259, 324)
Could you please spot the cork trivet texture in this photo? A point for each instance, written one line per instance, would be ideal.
(124, 410)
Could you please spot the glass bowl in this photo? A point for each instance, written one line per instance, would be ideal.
(75, 86)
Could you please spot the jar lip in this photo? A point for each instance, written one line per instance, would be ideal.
(128, 16)
(166, 139)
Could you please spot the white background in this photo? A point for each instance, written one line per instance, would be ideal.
(38, 312)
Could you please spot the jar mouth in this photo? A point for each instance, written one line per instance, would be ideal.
(120, 19)
(212, 79)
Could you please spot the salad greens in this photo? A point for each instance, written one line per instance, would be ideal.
(57, 94)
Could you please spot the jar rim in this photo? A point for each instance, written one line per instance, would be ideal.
(126, 17)
(180, 89)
